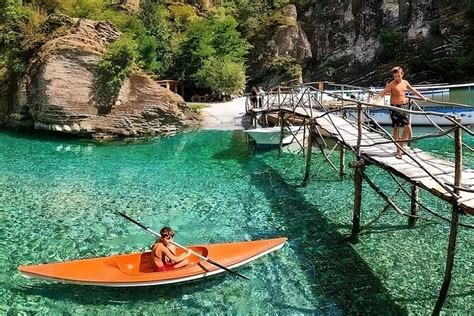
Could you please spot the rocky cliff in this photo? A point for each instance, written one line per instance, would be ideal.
(281, 40)
(58, 92)
(356, 41)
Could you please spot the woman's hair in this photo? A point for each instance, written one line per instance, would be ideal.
(166, 231)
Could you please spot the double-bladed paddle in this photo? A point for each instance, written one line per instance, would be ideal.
(182, 247)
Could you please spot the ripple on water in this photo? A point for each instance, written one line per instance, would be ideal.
(58, 198)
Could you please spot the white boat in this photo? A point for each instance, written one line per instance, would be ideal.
(271, 135)
(433, 92)
(382, 116)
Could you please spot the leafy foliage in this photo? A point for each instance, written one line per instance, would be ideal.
(155, 22)
(222, 76)
(391, 42)
(181, 16)
(112, 70)
(215, 38)
(20, 37)
(287, 68)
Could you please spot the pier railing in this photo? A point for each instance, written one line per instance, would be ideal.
(315, 101)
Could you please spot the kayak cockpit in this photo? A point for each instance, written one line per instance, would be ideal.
(140, 263)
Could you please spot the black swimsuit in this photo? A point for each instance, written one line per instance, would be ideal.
(399, 119)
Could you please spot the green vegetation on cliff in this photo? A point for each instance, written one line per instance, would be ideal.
(174, 41)
(218, 49)
(112, 70)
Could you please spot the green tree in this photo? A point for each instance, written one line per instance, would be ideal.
(227, 41)
(182, 15)
(20, 37)
(195, 49)
(112, 70)
(287, 68)
(391, 43)
(155, 21)
(209, 41)
(222, 76)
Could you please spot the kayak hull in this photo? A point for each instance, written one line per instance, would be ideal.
(135, 269)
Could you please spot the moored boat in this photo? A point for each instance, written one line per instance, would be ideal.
(271, 135)
(382, 116)
(136, 270)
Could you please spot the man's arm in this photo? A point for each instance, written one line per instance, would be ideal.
(175, 258)
(415, 92)
(386, 90)
(379, 99)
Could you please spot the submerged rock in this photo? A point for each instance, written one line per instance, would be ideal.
(58, 92)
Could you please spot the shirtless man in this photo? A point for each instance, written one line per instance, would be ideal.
(397, 88)
(163, 252)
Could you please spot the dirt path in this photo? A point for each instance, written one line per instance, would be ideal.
(224, 116)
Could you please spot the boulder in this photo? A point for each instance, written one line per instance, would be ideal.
(58, 92)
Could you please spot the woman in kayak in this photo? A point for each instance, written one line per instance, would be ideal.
(163, 252)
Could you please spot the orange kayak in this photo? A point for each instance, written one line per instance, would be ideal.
(135, 269)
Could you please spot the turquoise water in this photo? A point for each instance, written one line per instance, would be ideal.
(57, 203)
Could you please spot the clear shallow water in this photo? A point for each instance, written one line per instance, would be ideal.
(58, 197)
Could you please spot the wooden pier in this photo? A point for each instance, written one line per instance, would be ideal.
(447, 180)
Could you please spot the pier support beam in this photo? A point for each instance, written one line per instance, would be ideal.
(342, 161)
(282, 131)
(414, 206)
(358, 176)
(308, 155)
(449, 261)
(453, 233)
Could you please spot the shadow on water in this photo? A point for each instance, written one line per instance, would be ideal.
(340, 273)
(93, 295)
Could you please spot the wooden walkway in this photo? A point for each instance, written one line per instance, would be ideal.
(420, 169)
(407, 168)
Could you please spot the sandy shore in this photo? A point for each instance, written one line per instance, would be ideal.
(224, 116)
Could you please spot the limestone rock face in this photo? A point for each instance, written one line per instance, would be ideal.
(58, 92)
(290, 39)
(346, 39)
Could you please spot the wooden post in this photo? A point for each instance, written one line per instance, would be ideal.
(358, 175)
(304, 135)
(342, 95)
(414, 206)
(357, 203)
(308, 155)
(282, 129)
(359, 129)
(342, 160)
(321, 88)
(454, 221)
(279, 97)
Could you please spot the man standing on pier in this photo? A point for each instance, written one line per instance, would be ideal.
(397, 89)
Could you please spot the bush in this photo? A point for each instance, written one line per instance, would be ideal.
(21, 36)
(112, 70)
(155, 21)
(214, 38)
(287, 68)
(222, 76)
(87, 9)
(182, 15)
(148, 56)
(391, 42)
